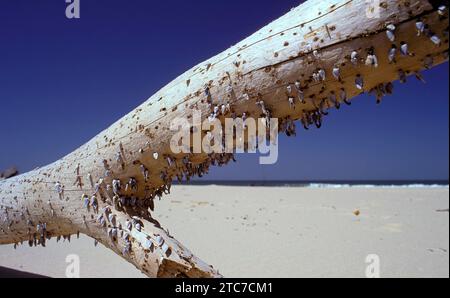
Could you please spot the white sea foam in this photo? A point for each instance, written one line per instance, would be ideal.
(329, 185)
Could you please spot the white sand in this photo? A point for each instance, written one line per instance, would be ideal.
(281, 232)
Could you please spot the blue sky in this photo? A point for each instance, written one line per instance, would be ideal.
(62, 81)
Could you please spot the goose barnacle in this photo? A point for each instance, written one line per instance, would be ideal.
(343, 97)
(94, 203)
(291, 102)
(404, 49)
(86, 201)
(119, 160)
(300, 93)
(382, 88)
(316, 54)
(39, 228)
(159, 240)
(144, 172)
(166, 249)
(147, 244)
(389, 87)
(289, 89)
(112, 219)
(262, 106)
(419, 77)
(116, 186)
(402, 76)
(435, 39)
(316, 77)
(420, 26)
(371, 59)
(392, 53)
(170, 161)
(290, 127)
(333, 99)
(428, 62)
(212, 117)
(322, 107)
(322, 74)
(99, 218)
(138, 227)
(114, 233)
(354, 56)
(390, 32)
(59, 189)
(66, 237)
(359, 82)
(304, 122)
(132, 184)
(97, 187)
(227, 108)
(103, 221)
(317, 119)
(207, 92)
(441, 11)
(122, 201)
(126, 248)
(216, 111)
(244, 119)
(378, 93)
(337, 73)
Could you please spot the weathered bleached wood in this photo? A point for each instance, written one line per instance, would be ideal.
(316, 35)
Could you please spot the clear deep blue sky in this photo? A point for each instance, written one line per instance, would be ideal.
(63, 81)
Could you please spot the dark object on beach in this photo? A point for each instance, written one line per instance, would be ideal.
(8, 173)
(11, 273)
(442, 210)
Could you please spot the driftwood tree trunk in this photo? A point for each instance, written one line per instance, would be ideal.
(50, 201)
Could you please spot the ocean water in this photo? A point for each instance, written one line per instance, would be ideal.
(327, 184)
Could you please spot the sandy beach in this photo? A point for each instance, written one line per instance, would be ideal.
(280, 232)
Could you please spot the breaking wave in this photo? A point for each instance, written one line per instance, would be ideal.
(328, 185)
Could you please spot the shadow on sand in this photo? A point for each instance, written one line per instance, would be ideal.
(11, 273)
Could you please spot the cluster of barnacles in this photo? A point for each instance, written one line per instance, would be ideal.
(295, 92)
(39, 234)
(124, 231)
(113, 195)
(188, 169)
(121, 196)
(108, 220)
(334, 98)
